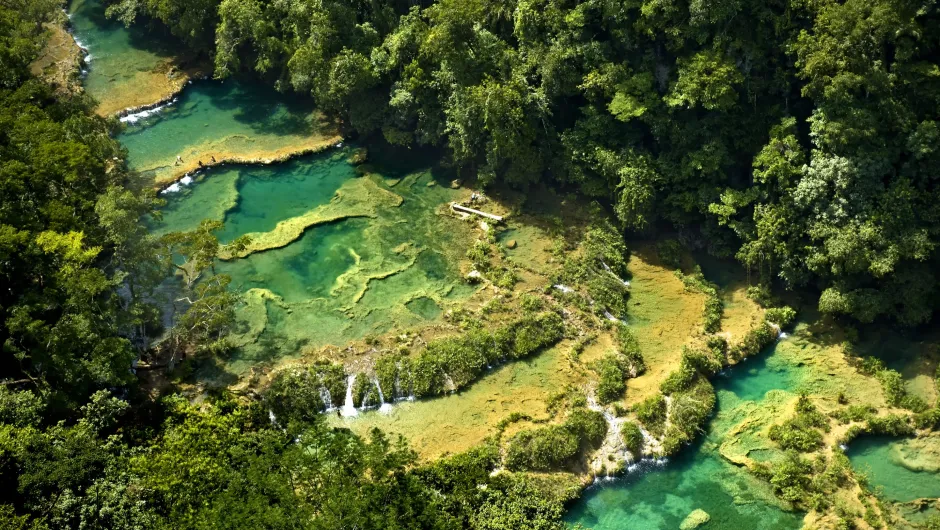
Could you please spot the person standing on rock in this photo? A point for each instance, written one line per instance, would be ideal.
(179, 160)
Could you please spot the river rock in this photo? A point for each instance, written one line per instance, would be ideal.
(695, 519)
(358, 156)
(454, 184)
(474, 276)
(511, 244)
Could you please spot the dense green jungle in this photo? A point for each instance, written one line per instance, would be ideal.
(488, 264)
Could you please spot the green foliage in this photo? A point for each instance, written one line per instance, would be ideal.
(781, 316)
(652, 414)
(463, 358)
(689, 412)
(714, 307)
(629, 347)
(612, 371)
(632, 438)
(755, 340)
(555, 446)
(801, 432)
(601, 267)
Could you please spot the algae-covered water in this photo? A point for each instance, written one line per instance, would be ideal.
(656, 496)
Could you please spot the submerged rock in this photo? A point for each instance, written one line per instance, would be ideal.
(358, 156)
(695, 519)
(511, 244)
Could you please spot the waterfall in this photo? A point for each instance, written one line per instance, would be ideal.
(348, 409)
(384, 408)
(326, 398)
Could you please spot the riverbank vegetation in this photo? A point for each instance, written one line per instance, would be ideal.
(785, 144)
(802, 145)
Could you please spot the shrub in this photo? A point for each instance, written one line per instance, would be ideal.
(714, 307)
(688, 412)
(755, 340)
(427, 375)
(652, 413)
(554, 446)
(893, 425)
(295, 396)
(854, 413)
(613, 372)
(630, 348)
(632, 438)
(364, 392)
(800, 432)
(790, 478)
(531, 303)
(781, 316)
(387, 374)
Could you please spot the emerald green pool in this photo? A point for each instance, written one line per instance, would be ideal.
(254, 198)
(338, 281)
(124, 67)
(225, 121)
(897, 466)
(657, 496)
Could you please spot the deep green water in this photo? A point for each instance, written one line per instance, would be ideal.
(879, 458)
(656, 496)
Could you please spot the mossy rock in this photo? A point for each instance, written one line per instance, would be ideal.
(694, 520)
(511, 244)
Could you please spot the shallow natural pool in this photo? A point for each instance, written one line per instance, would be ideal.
(367, 270)
(222, 121)
(656, 496)
(904, 469)
(124, 67)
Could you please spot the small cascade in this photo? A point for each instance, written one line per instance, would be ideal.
(563, 288)
(327, 399)
(612, 273)
(348, 409)
(385, 407)
(272, 417)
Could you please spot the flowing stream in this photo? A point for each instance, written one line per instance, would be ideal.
(653, 495)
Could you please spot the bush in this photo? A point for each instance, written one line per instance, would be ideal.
(365, 393)
(781, 316)
(892, 425)
(754, 341)
(630, 348)
(464, 358)
(387, 374)
(295, 396)
(688, 412)
(800, 433)
(554, 446)
(613, 372)
(652, 414)
(714, 307)
(632, 438)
